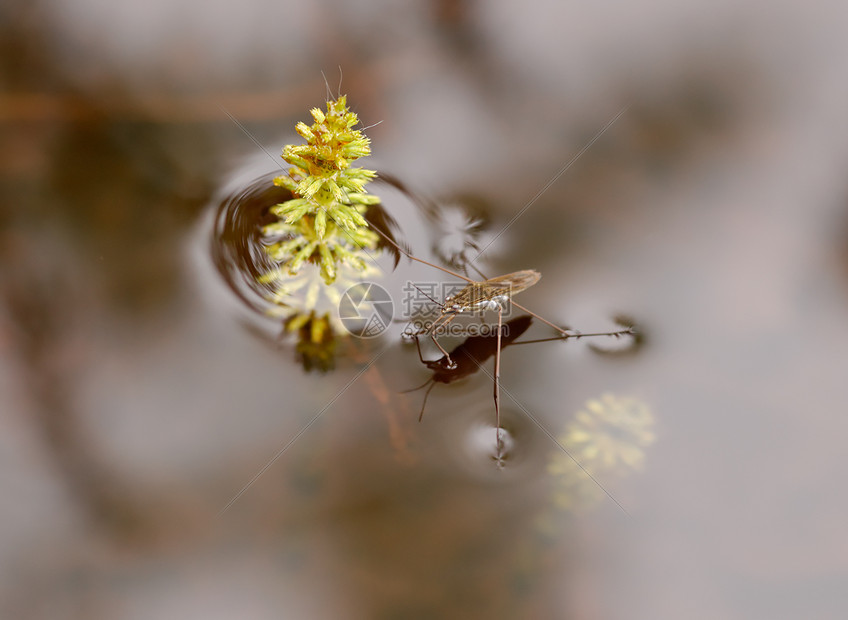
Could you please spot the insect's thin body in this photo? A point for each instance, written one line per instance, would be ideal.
(480, 295)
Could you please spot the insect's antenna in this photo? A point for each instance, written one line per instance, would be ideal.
(435, 301)
(411, 257)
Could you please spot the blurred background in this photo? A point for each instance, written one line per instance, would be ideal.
(139, 397)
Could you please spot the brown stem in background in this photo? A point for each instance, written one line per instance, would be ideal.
(40, 338)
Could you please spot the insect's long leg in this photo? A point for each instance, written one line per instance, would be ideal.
(441, 320)
(628, 331)
(410, 256)
(444, 352)
(432, 333)
(418, 347)
(561, 330)
(498, 386)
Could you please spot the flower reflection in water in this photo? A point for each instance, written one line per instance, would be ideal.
(308, 307)
(608, 438)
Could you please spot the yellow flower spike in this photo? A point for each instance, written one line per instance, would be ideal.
(363, 199)
(282, 251)
(310, 186)
(328, 266)
(320, 223)
(301, 256)
(321, 234)
(328, 197)
(304, 130)
(269, 277)
(336, 191)
(287, 182)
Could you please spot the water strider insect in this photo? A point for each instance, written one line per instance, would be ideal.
(478, 295)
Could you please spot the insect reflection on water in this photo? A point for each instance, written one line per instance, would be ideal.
(469, 355)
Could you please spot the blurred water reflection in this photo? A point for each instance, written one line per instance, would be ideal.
(134, 404)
